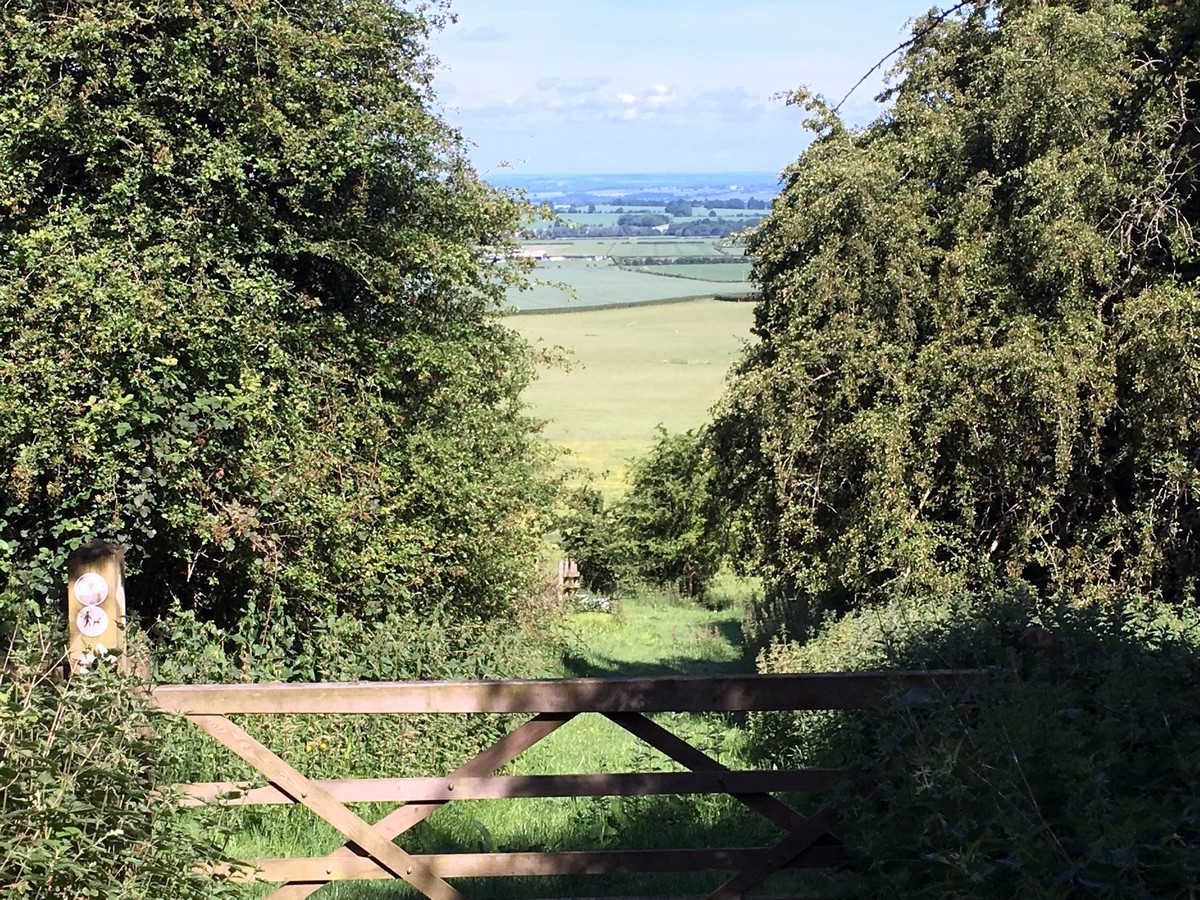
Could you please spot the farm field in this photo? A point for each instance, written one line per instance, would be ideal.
(734, 273)
(608, 218)
(666, 248)
(602, 283)
(631, 369)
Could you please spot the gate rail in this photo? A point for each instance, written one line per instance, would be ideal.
(371, 853)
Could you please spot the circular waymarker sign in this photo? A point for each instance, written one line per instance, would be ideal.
(91, 589)
(92, 621)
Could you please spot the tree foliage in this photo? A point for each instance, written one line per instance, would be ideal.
(249, 294)
(668, 516)
(591, 536)
(979, 333)
(666, 529)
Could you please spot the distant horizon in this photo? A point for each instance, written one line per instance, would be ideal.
(697, 173)
(667, 184)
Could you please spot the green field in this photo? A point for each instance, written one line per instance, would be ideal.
(732, 273)
(664, 247)
(631, 369)
(605, 219)
(601, 283)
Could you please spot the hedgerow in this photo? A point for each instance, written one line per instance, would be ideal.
(1069, 769)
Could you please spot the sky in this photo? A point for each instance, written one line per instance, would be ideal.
(617, 86)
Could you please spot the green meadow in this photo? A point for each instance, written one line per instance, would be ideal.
(733, 273)
(628, 370)
(577, 283)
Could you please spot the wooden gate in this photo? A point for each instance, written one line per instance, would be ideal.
(371, 851)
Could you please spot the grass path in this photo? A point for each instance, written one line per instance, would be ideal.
(655, 634)
(648, 635)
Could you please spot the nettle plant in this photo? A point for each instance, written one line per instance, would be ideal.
(82, 814)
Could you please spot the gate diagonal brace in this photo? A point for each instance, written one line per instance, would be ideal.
(803, 831)
(405, 817)
(374, 843)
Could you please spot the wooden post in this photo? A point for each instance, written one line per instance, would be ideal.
(568, 580)
(96, 601)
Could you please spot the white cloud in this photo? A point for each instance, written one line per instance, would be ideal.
(667, 79)
(659, 98)
(575, 102)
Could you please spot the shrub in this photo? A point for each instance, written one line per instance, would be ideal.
(668, 519)
(665, 531)
(251, 328)
(346, 648)
(1076, 776)
(82, 814)
(591, 536)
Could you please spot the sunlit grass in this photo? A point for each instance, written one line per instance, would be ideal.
(649, 634)
(658, 634)
(631, 369)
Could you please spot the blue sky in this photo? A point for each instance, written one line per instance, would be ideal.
(566, 86)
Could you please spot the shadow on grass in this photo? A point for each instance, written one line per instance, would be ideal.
(717, 638)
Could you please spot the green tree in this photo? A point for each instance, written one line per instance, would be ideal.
(643, 220)
(668, 519)
(591, 537)
(979, 333)
(249, 316)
